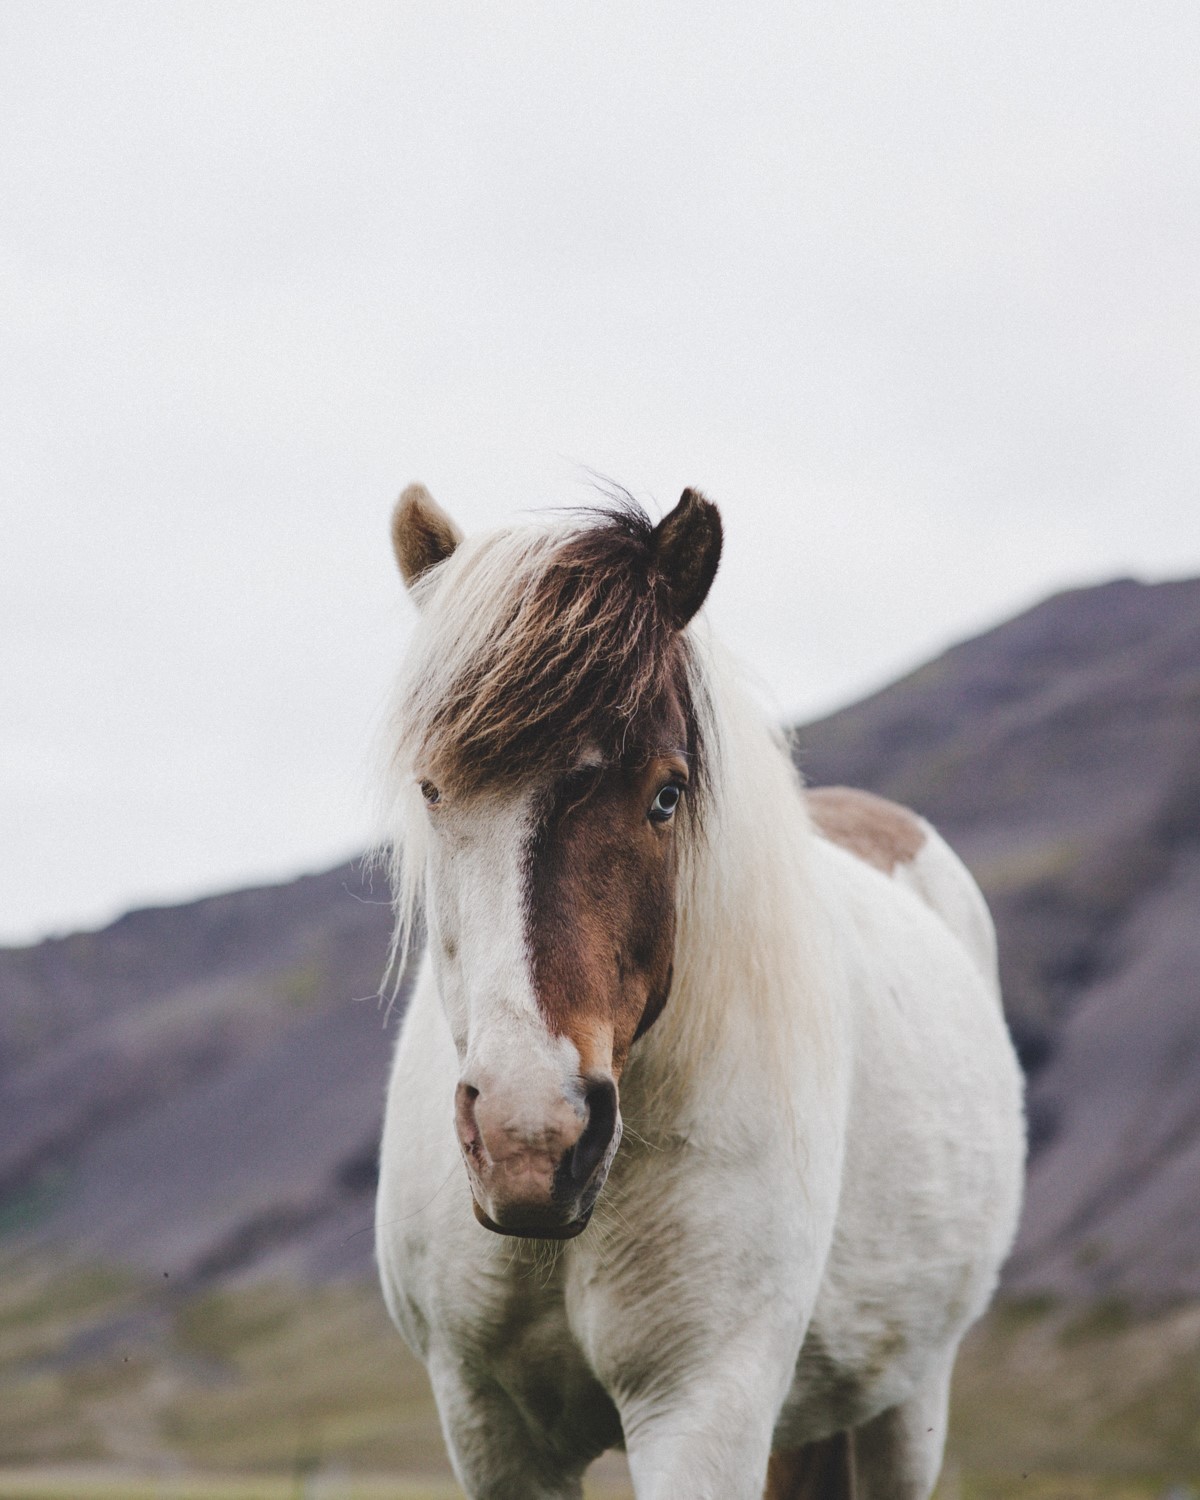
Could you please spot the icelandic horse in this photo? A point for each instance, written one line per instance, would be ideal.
(750, 1034)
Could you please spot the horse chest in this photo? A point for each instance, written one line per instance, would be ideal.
(519, 1334)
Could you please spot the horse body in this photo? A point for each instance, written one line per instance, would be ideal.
(818, 1178)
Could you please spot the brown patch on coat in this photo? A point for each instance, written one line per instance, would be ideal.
(882, 833)
(818, 1471)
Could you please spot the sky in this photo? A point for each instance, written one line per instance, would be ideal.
(910, 291)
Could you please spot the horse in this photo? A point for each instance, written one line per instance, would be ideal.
(722, 1060)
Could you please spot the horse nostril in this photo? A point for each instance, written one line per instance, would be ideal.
(600, 1095)
(465, 1096)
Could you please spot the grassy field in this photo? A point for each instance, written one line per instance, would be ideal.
(113, 1387)
(86, 1484)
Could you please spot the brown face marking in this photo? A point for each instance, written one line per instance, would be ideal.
(881, 832)
(601, 895)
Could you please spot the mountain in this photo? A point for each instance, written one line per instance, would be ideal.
(198, 1087)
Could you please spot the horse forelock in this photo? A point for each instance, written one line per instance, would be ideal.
(542, 648)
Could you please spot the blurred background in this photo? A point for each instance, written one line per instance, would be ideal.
(911, 293)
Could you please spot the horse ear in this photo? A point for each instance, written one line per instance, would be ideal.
(422, 533)
(687, 545)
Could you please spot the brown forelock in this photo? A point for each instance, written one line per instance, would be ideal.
(574, 659)
(601, 894)
(881, 832)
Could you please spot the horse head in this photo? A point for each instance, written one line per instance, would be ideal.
(550, 745)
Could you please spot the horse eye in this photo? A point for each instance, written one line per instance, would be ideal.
(662, 809)
(430, 793)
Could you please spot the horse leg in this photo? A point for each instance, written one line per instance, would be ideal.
(818, 1471)
(898, 1454)
(494, 1454)
(707, 1440)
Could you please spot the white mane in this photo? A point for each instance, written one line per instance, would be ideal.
(746, 905)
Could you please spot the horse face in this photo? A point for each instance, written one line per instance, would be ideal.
(523, 1105)
(550, 894)
(552, 924)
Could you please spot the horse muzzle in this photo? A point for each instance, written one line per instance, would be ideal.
(537, 1179)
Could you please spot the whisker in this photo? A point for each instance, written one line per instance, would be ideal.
(628, 1130)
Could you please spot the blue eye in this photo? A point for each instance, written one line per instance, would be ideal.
(662, 809)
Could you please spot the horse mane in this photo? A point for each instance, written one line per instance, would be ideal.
(540, 644)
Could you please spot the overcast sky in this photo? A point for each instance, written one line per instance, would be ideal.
(911, 291)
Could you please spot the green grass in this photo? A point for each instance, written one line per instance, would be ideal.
(57, 1484)
(47, 1307)
(83, 1484)
(86, 1484)
(1030, 1486)
(1098, 1393)
(1102, 1321)
(310, 1376)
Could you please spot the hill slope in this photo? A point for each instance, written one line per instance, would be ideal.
(198, 1088)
